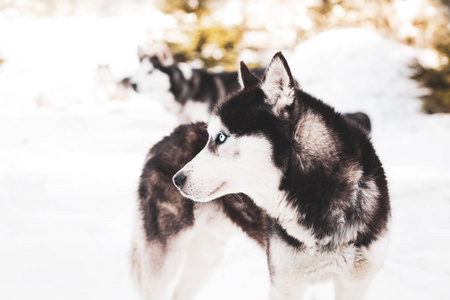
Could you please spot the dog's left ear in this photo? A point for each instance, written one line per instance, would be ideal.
(278, 84)
(246, 78)
(164, 55)
(141, 52)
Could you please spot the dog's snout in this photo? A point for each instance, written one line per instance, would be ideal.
(179, 179)
(134, 86)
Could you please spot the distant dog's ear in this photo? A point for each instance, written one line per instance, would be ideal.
(278, 84)
(141, 52)
(164, 55)
(246, 78)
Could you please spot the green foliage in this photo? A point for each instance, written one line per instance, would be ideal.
(214, 45)
(438, 83)
(198, 7)
(208, 41)
(437, 80)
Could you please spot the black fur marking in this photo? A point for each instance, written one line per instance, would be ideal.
(165, 212)
(278, 231)
(125, 82)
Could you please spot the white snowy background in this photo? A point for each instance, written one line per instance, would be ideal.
(69, 167)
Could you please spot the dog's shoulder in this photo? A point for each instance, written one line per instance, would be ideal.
(342, 178)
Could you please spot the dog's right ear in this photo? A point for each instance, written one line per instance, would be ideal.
(278, 84)
(246, 78)
(141, 52)
(164, 55)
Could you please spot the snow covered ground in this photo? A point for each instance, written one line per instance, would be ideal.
(69, 169)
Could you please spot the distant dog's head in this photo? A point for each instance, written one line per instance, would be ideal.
(245, 132)
(157, 71)
(150, 75)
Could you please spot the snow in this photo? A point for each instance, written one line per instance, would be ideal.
(69, 169)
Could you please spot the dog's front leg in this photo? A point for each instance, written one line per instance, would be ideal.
(347, 288)
(287, 282)
(293, 292)
(205, 253)
(354, 284)
(156, 267)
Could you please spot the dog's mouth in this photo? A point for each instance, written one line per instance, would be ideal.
(200, 196)
(217, 189)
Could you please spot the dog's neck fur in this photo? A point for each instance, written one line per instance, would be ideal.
(315, 142)
(179, 85)
(313, 148)
(274, 202)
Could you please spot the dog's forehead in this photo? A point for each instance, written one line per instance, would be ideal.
(215, 125)
(247, 113)
(145, 64)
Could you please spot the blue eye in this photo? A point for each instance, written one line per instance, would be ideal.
(221, 138)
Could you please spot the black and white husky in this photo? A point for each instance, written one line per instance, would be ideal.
(190, 93)
(320, 206)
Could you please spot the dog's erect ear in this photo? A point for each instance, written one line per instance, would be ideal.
(246, 78)
(141, 52)
(278, 84)
(164, 55)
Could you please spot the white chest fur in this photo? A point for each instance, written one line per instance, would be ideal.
(292, 266)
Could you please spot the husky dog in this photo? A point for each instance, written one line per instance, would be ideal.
(311, 170)
(193, 92)
(178, 243)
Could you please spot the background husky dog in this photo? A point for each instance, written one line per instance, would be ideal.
(194, 91)
(311, 170)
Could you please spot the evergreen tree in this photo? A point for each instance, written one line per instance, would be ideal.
(209, 41)
(437, 80)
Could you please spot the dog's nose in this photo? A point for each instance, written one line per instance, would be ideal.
(178, 180)
(134, 86)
